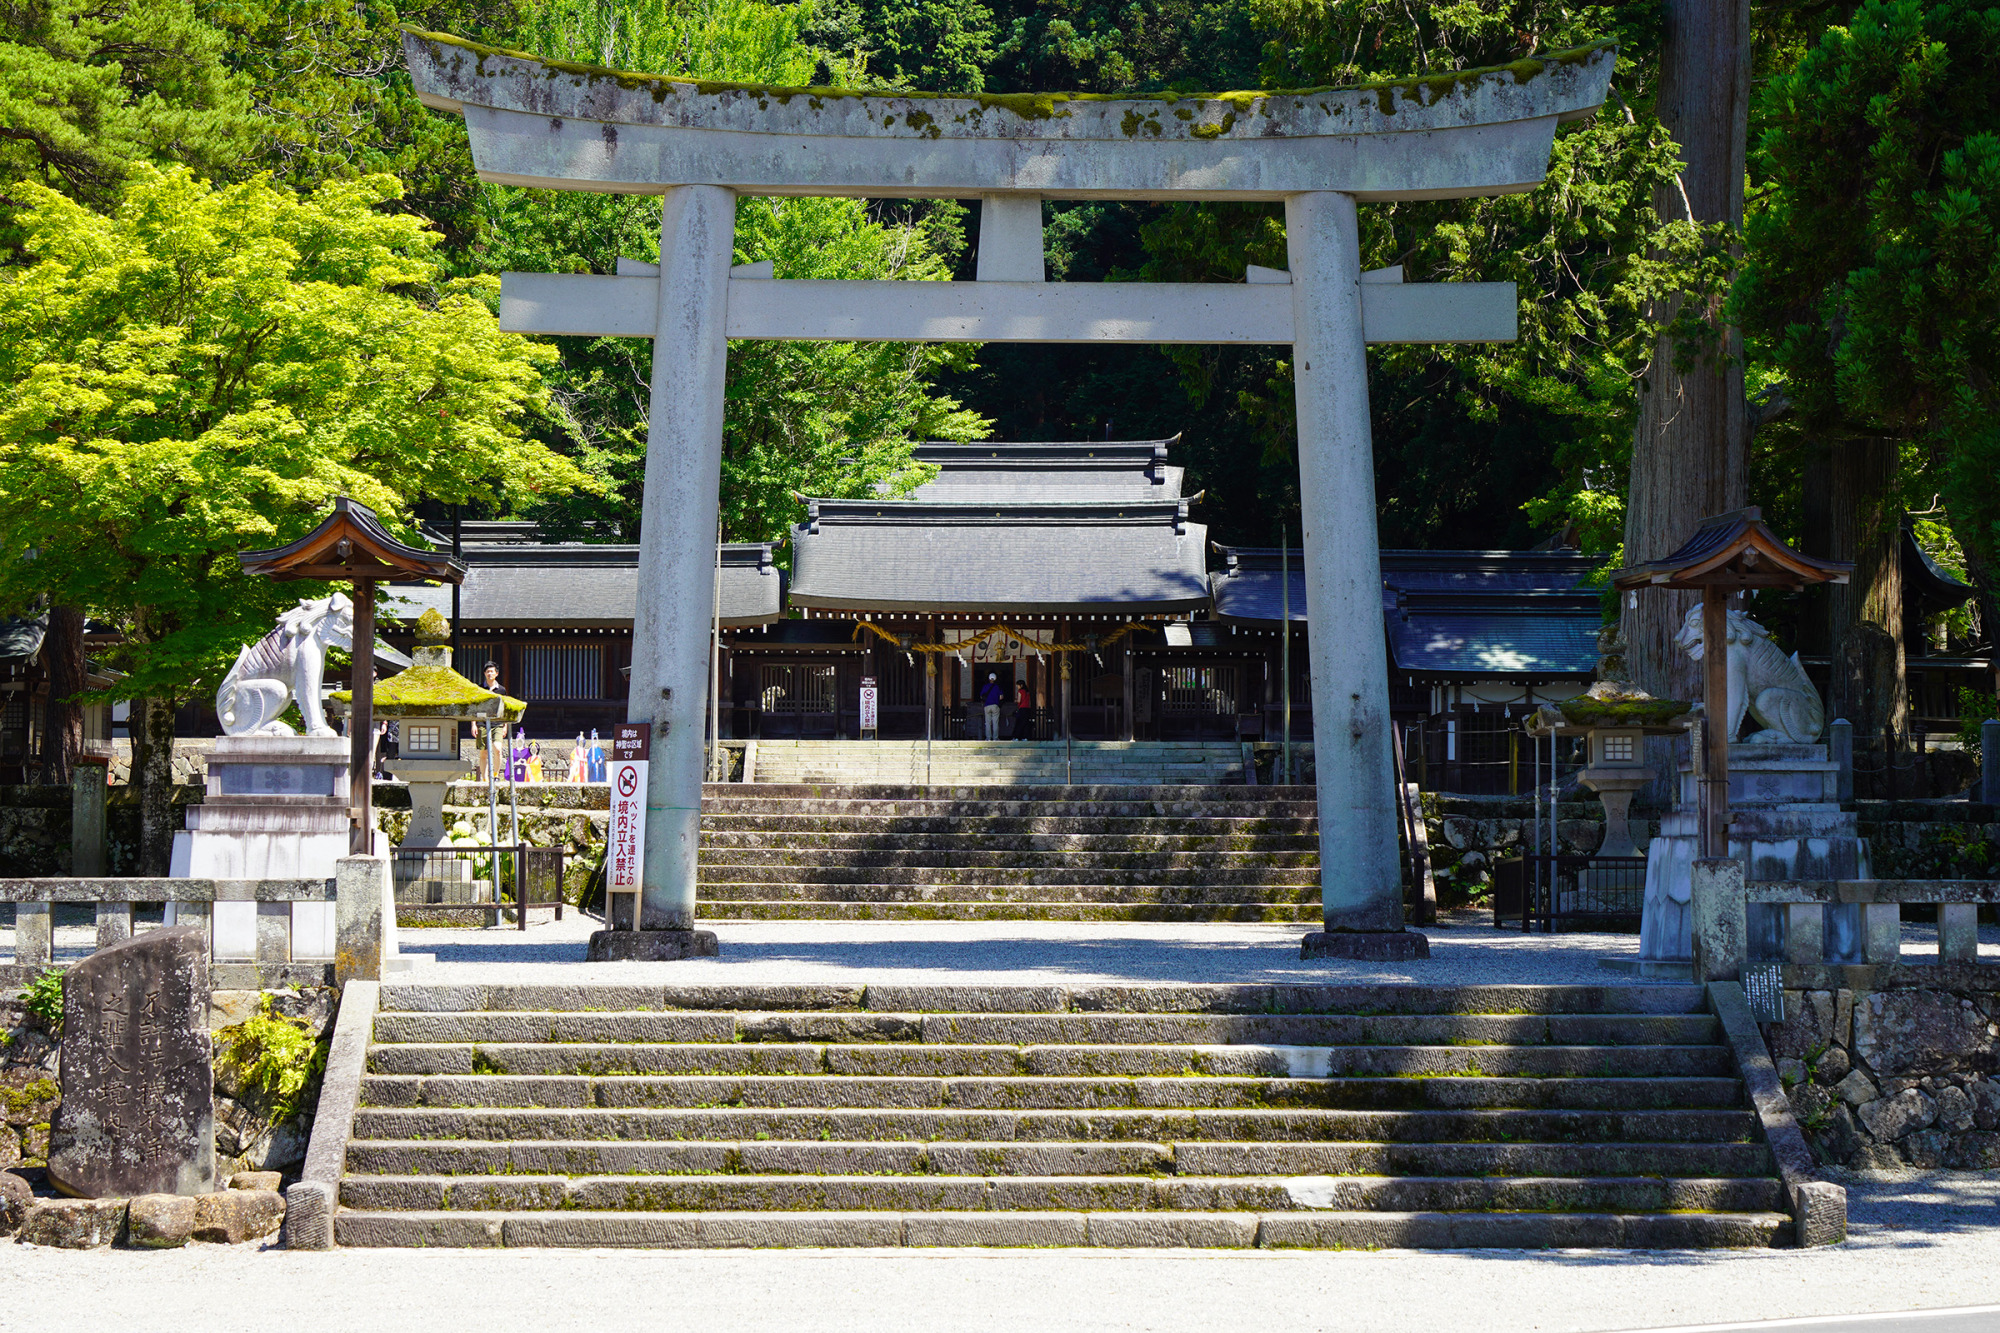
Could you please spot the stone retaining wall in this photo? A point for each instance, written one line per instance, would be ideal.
(247, 1138)
(1900, 1076)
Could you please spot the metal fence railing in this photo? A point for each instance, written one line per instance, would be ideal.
(496, 882)
(1579, 893)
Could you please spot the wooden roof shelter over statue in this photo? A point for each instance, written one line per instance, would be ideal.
(1731, 551)
(1728, 553)
(353, 545)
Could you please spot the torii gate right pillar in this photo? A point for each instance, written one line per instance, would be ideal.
(1360, 874)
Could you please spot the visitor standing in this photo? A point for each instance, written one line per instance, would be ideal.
(1024, 712)
(991, 695)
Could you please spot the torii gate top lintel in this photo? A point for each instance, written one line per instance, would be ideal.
(555, 124)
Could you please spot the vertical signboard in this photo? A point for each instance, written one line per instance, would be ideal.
(868, 698)
(625, 848)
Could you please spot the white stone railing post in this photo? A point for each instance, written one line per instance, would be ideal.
(676, 555)
(1360, 872)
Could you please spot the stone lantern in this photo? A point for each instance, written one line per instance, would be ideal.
(429, 700)
(1616, 719)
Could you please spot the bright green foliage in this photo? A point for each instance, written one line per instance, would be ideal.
(833, 419)
(274, 1057)
(334, 101)
(1873, 273)
(86, 89)
(202, 372)
(43, 998)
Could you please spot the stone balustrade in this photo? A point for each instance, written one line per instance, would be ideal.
(1880, 902)
(263, 932)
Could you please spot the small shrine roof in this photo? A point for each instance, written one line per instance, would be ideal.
(1733, 550)
(350, 544)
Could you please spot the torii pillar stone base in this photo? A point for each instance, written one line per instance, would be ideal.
(651, 946)
(1372, 946)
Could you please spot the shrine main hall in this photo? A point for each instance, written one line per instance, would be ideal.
(1011, 560)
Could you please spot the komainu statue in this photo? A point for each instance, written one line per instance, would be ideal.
(286, 664)
(1763, 682)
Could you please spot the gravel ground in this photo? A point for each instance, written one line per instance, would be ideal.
(1920, 1242)
(1465, 950)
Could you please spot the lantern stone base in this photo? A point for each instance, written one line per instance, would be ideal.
(1376, 946)
(651, 946)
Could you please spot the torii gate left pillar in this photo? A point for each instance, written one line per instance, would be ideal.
(1320, 153)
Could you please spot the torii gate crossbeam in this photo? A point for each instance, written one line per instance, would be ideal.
(1319, 151)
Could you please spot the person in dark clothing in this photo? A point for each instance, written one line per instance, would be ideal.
(991, 694)
(1024, 712)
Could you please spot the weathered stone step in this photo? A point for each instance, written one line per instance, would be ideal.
(752, 801)
(1081, 871)
(969, 839)
(939, 1061)
(1054, 1029)
(1120, 1193)
(778, 909)
(530, 1157)
(715, 858)
(1262, 1000)
(1044, 1093)
(993, 826)
(1429, 1127)
(1331, 1230)
(944, 791)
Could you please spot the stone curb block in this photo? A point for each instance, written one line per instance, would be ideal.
(340, 1094)
(1819, 1208)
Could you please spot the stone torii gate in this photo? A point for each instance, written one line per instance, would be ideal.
(555, 125)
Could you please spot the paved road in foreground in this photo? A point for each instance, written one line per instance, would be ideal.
(1921, 1244)
(1960, 1319)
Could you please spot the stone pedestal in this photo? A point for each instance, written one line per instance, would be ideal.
(275, 808)
(1785, 823)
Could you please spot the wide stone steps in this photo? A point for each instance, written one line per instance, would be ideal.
(1074, 853)
(1118, 1115)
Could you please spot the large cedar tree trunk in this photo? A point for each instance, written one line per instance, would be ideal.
(153, 770)
(1692, 440)
(1853, 511)
(62, 716)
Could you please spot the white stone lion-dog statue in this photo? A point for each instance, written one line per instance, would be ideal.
(286, 664)
(1763, 682)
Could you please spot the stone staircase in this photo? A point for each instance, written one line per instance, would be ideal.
(1310, 1117)
(1076, 853)
(990, 763)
